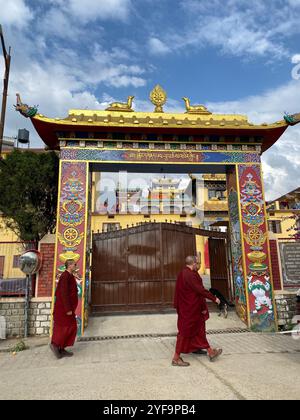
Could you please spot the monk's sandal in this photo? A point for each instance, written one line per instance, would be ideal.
(56, 351)
(215, 354)
(180, 363)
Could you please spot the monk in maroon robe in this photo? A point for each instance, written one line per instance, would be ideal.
(190, 303)
(66, 301)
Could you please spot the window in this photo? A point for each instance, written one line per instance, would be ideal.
(216, 194)
(283, 205)
(16, 261)
(109, 227)
(275, 226)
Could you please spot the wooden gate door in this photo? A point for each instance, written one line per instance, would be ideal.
(218, 266)
(135, 269)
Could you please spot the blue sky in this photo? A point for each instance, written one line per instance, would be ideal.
(234, 56)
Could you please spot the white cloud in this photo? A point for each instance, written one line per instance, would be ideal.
(295, 59)
(235, 37)
(157, 47)
(266, 107)
(294, 3)
(281, 163)
(239, 28)
(91, 10)
(59, 75)
(56, 23)
(59, 64)
(15, 13)
(57, 86)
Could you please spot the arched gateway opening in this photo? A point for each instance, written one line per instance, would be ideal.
(197, 141)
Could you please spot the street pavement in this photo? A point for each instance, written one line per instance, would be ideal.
(153, 324)
(253, 366)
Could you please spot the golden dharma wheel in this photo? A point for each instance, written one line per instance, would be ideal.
(71, 234)
(255, 236)
(158, 97)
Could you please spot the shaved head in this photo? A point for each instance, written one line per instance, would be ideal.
(68, 263)
(191, 259)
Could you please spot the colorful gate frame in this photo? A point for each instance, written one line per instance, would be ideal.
(236, 247)
(255, 244)
(88, 254)
(72, 217)
(255, 299)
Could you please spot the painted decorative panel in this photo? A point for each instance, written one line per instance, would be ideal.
(236, 247)
(164, 156)
(256, 250)
(71, 233)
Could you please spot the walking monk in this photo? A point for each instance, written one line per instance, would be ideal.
(65, 326)
(190, 303)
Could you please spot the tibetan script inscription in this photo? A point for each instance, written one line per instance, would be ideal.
(290, 257)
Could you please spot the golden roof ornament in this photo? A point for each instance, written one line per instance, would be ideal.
(122, 106)
(195, 109)
(158, 97)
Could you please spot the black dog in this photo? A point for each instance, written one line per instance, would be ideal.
(224, 304)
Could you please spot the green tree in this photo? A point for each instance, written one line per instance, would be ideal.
(28, 193)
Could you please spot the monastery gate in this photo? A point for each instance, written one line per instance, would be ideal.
(136, 268)
(197, 141)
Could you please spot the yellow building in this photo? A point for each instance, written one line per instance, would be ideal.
(282, 213)
(198, 201)
(10, 248)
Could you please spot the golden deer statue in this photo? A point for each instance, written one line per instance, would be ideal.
(195, 109)
(122, 106)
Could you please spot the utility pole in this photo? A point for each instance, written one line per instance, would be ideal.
(7, 59)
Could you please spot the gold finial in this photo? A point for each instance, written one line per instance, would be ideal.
(195, 109)
(158, 97)
(122, 106)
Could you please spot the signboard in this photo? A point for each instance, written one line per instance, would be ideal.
(290, 259)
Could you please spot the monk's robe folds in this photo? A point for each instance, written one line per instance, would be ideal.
(66, 300)
(190, 303)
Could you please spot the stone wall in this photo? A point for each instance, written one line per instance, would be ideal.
(286, 308)
(39, 316)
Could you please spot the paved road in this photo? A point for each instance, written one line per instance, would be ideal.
(254, 366)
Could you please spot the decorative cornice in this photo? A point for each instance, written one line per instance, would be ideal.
(89, 118)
